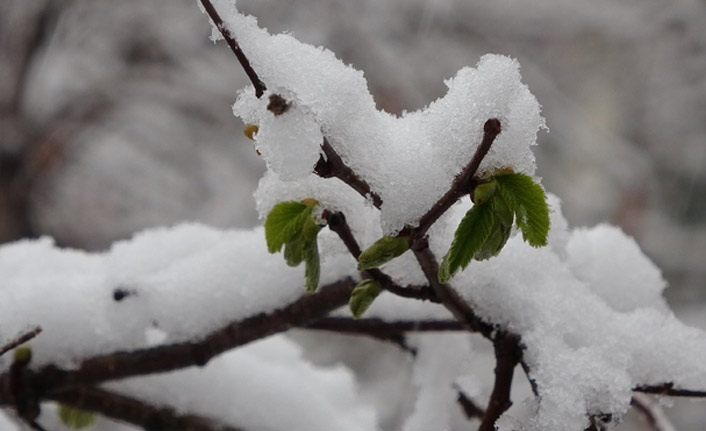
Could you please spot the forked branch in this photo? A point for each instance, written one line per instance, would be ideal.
(337, 223)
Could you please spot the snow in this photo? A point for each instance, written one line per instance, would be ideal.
(410, 161)
(300, 396)
(434, 376)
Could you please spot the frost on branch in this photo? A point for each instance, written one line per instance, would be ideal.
(587, 308)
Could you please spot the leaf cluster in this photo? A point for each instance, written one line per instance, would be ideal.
(501, 199)
(292, 225)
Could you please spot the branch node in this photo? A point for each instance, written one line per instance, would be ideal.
(278, 105)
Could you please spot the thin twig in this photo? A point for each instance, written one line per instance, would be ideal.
(338, 224)
(134, 411)
(669, 389)
(176, 356)
(507, 356)
(235, 47)
(379, 327)
(652, 412)
(20, 339)
(330, 165)
(470, 408)
(446, 295)
(463, 182)
(532, 382)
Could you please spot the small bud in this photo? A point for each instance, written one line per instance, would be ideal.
(251, 130)
(484, 191)
(362, 296)
(23, 354)
(310, 202)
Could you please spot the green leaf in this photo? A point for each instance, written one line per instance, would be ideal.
(294, 251)
(76, 418)
(472, 233)
(313, 266)
(284, 222)
(362, 296)
(495, 241)
(310, 229)
(382, 251)
(528, 201)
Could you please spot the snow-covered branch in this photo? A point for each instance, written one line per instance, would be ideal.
(581, 310)
(170, 357)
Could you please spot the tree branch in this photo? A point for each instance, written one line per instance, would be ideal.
(134, 411)
(330, 165)
(176, 356)
(235, 47)
(470, 408)
(669, 389)
(446, 295)
(464, 181)
(337, 223)
(507, 356)
(380, 328)
(20, 339)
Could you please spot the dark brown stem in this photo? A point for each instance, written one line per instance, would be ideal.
(176, 356)
(330, 165)
(470, 408)
(20, 339)
(669, 389)
(463, 182)
(235, 47)
(381, 328)
(338, 224)
(507, 356)
(446, 295)
(134, 411)
(532, 382)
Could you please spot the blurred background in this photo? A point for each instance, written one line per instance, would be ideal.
(115, 116)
